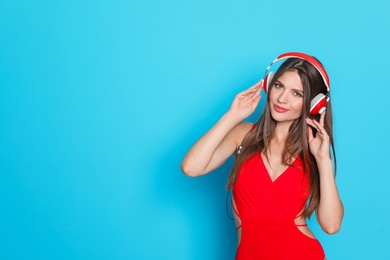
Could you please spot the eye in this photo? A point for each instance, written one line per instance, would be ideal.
(297, 94)
(278, 86)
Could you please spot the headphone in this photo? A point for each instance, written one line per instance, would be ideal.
(318, 103)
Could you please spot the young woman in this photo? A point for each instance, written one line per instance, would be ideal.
(283, 167)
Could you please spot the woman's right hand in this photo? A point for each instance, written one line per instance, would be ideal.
(245, 103)
(220, 142)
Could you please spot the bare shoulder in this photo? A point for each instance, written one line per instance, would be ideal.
(240, 131)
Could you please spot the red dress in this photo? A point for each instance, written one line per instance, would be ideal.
(267, 210)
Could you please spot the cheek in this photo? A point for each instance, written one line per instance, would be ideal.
(271, 94)
(297, 105)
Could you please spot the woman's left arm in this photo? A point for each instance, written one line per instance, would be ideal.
(330, 210)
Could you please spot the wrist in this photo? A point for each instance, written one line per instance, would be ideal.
(323, 159)
(324, 164)
(232, 117)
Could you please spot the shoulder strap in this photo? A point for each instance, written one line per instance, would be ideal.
(239, 148)
(253, 128)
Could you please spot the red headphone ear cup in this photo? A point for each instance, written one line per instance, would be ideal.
(267, 81)
(318, 104)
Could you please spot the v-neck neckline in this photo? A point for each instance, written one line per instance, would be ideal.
(280, 175)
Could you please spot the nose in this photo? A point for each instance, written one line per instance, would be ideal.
(282, 98)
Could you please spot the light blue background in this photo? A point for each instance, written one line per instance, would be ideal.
(100, 100)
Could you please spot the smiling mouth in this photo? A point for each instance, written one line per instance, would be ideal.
(280, 109)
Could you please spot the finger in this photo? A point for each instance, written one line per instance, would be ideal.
(250, 90)
(261, 82)
(247, 93)
(320, 130)
(257, 93)
(253, 91)
(322, 118)
(309, 133)
(257, 85)
(256, 102)
(260, 87)
(311, 122)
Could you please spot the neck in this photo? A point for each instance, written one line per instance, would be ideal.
(281, 132)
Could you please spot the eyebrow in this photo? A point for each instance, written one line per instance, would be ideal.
(294, 89)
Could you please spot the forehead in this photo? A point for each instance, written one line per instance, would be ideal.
(291, 79)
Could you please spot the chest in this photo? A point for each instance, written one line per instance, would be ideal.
(290, 187)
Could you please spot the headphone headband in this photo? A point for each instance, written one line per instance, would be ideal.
(307, 58)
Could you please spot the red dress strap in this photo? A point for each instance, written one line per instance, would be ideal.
(300, 225)
(253, 128)
(235, 211)
(240, 146)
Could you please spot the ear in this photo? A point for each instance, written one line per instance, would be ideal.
(318, 104)
(267, 81)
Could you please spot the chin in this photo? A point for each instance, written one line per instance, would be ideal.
(283, 117)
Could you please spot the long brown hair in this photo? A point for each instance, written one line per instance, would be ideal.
(296, 144)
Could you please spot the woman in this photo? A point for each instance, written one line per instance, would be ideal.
(283, 168)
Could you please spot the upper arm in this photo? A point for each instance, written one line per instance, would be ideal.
(228, 145)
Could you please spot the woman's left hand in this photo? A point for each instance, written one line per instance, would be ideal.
(319, 145)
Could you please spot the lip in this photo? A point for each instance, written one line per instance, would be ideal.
(280, 109)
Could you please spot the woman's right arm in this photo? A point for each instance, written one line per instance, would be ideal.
(215, 147)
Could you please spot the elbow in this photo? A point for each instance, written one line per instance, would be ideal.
(188, 171)
(331, 224)
(332, 229)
